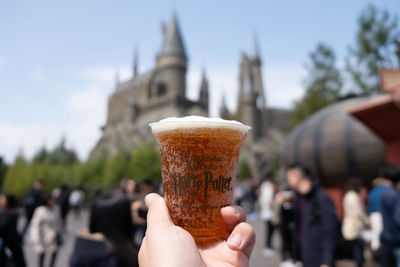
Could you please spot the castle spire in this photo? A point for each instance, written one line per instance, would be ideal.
(256, 48)
(224, 110)
(173, 43)
(116, 77)
(204, 90)
(135, 62)
(223, 105)
(204, 81)
(247, 85)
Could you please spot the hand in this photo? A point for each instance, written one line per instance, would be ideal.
(279, 198)
(166, 244)
(324, 265)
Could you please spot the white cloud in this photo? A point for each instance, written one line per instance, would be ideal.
(37, 75)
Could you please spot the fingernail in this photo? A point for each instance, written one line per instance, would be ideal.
(237, 211)
(148, 199)
(235, 241)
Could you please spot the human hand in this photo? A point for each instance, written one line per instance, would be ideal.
(324, 265)
(279, 198)
(166, 244)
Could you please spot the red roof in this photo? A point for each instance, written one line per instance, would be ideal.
(381, 115)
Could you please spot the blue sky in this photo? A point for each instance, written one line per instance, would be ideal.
(58, 59)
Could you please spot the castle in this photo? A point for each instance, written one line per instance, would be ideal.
(161, 93)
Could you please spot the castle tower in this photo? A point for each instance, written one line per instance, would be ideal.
(257, 77)
(172, 63)
(204, 96)
(261, 109)
(251, 104)
(246, 104)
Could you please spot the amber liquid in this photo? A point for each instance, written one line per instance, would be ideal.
(199, 168)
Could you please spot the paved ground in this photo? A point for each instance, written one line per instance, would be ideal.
(74, 224)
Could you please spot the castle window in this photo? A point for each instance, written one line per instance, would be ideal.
(161, 89)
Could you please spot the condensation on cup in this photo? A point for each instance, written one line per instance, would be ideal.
(199, 160)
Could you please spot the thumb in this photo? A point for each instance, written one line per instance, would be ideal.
(157, 215)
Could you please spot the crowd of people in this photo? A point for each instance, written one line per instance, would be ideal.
(312, 233)
(299, 211)
(112, 237)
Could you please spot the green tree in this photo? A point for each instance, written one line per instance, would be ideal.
(18, 177)
(61, 154)
(323, 83)
(244, 171)
(117, 167)
(3, 171)
(90, 172)
(145, 163)
(377, 46)
(41, 156)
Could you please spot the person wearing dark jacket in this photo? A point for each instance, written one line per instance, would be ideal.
(33, 199)
(390, 209)
(8, 232)
(316, 225)
(112, 218)
(90, 250)
(63, 202)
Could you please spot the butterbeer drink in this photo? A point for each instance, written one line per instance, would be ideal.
(199, 159)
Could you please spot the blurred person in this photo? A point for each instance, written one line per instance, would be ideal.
(120, 189)
(252, 193)
(9, 235)
(129, 189)
(91, 250)
(98, 191)
(239, 193)
(112, 218)
(76, 200)
(286, 224)
(169, 245)
(316, 225)
(45, 230)
(380, 185)
(147, 186)
(62, 200)
(139, 213)
(390, 209)
(266, 200)
(107, 242)
(32, 201)
(355, 221)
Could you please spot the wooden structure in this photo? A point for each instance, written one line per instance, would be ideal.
(382, 114)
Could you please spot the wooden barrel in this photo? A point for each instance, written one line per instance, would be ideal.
(335, 146)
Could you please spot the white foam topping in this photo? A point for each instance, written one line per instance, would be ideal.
(173, 123)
